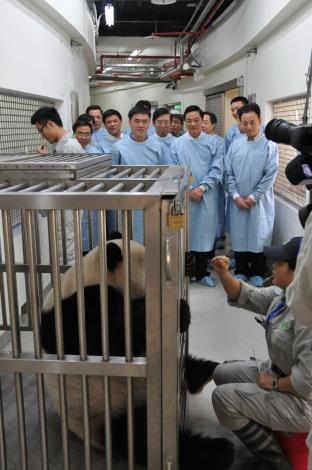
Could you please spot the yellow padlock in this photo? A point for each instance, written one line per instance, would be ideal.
(175, 222)
(176, 219)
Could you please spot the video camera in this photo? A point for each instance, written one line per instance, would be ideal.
(300, 168)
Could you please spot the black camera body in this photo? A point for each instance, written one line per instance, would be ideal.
(298, 170)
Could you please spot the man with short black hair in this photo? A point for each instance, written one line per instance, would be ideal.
(176, 124)
(235, 132)
(161, 121)
(96, 113)
(83, 129)
(112, 121)
(49, 125)
(204, 156)
(138, 149)
(251, 166)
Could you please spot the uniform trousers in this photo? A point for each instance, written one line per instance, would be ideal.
(249, 263)
(237, 400)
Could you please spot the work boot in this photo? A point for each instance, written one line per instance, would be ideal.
(262, 444)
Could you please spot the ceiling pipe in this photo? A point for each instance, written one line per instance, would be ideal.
(126, 79)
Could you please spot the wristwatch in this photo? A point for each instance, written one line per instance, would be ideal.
(275, 384)
(203, 187)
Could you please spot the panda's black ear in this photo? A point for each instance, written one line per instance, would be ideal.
(114, 256)
(114, 236)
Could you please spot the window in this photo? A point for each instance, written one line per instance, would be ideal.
(16, 133)
(292, 111)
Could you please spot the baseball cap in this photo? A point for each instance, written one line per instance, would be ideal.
(286, 252)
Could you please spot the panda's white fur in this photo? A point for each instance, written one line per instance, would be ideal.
(91, 270)
(118, 385)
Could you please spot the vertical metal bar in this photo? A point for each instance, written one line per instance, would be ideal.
(3, 458)
(38, 253)
(27, 289)
(170, 347)
(30, 233)
(56, 281)
(16, 341)
(82, 333)
(105, 335)
(128, 334)
(2, 293)
(153, 336)
(63, 236)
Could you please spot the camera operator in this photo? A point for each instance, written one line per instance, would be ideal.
(299, 293)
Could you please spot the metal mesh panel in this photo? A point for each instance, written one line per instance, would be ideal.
(16, 132)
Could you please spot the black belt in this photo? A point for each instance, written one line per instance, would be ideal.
(278, 371)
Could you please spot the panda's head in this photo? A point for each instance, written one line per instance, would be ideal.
(115, 270)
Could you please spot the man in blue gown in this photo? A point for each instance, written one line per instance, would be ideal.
(161, 121)
(112, 121)
(83, 129)
(234, 131)
(209, 125)
(203, 154)
(96, 113)
(250, 170)
(138, 149)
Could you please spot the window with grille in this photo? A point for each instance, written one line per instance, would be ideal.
(292, 111)
(16, 132)
(17, 135)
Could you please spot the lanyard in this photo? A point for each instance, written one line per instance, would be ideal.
(264, 322)
(275, 311)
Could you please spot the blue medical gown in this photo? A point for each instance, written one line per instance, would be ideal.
(204, 156)
(90, 149)
(106, 143)
(97, 136)
(233, 133)
(130, 152)
(165, 143)
(251, 168)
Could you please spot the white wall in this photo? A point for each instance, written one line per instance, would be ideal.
(36, 54)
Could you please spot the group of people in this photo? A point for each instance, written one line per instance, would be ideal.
(239, 169)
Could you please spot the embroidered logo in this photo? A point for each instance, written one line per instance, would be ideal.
(284, 326)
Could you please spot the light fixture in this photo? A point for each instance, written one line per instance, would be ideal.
(163, 2)
(109, 14)
(134, 53)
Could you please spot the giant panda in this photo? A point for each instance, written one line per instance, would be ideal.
(196, 451)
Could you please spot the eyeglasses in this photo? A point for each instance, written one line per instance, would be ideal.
(162, 123)
(41, 128)
(83, 134)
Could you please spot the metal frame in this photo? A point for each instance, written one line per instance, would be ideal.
(164, 254)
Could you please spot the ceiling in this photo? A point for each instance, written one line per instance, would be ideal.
(142, 18)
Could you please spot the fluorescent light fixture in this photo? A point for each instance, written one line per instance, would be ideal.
(109, 14)
(135, 52)
(163, 2)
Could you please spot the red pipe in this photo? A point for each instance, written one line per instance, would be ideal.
(178, 33)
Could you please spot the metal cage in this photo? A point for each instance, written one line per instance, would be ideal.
(35, 257)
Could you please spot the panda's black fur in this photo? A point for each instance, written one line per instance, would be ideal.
(196, 451)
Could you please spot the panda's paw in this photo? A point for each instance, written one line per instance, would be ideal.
(205, 453)
(197, 373)
(185, 316)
